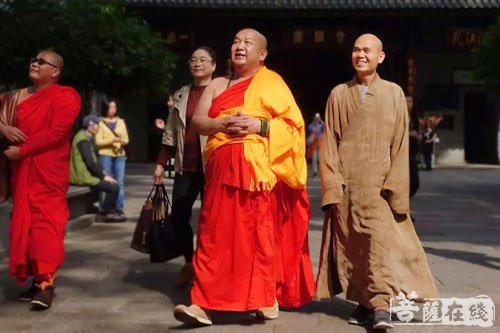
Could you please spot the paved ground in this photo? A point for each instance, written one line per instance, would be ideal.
(105, 286)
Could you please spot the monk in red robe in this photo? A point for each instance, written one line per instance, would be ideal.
(252, 249)
(40, 178)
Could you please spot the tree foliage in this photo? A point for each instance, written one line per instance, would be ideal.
(486, 57)
(104, 47)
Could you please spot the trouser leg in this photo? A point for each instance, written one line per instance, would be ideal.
(110, 195)
(315, 161)
(119, 172)
(187, 186)
(428, 161)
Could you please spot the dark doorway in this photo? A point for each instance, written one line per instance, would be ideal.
(312, 74)
(480, 130)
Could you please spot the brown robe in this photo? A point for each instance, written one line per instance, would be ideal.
(8, 105)
(370, 249)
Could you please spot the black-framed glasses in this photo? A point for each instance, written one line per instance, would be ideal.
(202, 61)
(41, 62)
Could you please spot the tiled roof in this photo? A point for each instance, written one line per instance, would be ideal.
(322, 4)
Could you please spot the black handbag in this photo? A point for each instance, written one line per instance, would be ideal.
(163, 243)
(141, 239)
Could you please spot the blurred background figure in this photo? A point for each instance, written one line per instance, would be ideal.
(111, 140)
(86, 171)
(159, 122)
(429, 139)
(414, 145)
(315, 129)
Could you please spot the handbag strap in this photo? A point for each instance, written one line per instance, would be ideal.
(112, 130)
(165, 195)
(150, 194)
(161, 199)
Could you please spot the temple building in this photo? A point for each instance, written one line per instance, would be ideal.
(428, 47)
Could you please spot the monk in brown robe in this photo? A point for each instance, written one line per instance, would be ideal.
(370, 249)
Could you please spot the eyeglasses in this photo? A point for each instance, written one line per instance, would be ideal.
(41, 62)
(202, 61)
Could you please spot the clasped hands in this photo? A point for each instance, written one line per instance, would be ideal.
(240, 124)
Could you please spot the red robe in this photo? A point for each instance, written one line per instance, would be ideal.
(239, 262)
(40, 181)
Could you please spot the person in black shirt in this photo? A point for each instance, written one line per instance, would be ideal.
(429, 138)
(414, 142)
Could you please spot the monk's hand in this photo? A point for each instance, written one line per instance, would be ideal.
(14, 134)
(12, 153)
(228, 124)
(244, 125)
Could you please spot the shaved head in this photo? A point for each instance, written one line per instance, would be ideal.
(371, 39)
(259, 38)
(46, 68)
(367, 54)
(248, 52)
(54, 58)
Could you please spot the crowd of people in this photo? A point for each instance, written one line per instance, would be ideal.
(239, 141)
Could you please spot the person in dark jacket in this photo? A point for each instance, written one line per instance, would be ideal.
(429, 138)
(414, 144)
(85, 169)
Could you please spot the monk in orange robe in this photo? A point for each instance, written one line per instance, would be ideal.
(252, 248)
(40, 178)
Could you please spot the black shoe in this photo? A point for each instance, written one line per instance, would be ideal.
(360, 315)
(121, 214)
(382, 320)
(111, 217)
(114, 218)
(99, 217)
(27, 295)
(43, 298)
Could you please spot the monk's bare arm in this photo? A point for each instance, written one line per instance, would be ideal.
(205, 125)
(202, 123)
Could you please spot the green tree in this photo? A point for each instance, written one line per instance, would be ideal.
(105, 47)
(486, 60)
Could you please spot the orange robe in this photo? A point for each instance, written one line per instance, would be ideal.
(40, 181)
(255, 204)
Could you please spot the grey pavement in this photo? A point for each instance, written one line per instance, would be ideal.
(104, 286)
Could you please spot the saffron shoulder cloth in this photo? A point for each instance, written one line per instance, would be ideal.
(282, 155)
(277, 163)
